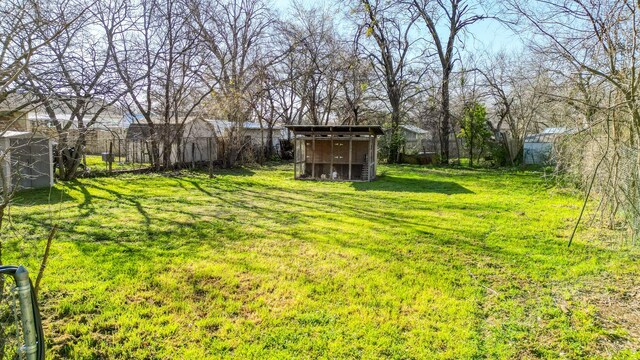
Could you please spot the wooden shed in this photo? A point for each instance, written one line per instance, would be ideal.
(343, 153)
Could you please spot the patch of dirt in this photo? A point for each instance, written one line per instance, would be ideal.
(617, 304)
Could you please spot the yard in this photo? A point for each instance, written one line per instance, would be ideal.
(423, 263)
(95, 164)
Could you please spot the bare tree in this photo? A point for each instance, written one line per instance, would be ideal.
(595, 45)
(289, 106)
(73, 81)
(445, 21)
(355, 84)
(235, 35)
(386, 24)
(521, 94)
(21, 26)
(21, 22)
(266, 110)
(315, 43)
(160, 61)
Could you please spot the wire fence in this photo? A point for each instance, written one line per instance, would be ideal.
(608, 171)
(138, 153)
(623, 173)
(10, 318)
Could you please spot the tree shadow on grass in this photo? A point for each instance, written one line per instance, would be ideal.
(416, 185)
(237, 171)
(42, 196)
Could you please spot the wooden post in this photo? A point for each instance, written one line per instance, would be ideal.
(350, 151)
(369, 157)
(296, 155)
(331, 162)
(193, 155)
(375, 156)
(210, 157)
(313, 157)
(110, 159)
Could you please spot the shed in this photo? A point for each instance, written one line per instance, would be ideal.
(26, 160)
(347, 153)
(415, 138)
(199, 142)
(254, 132)
(203, 138)
(538, 148)
(138, 141)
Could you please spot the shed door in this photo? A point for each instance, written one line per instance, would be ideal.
(30, 163)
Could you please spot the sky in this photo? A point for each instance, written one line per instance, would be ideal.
(485, 36)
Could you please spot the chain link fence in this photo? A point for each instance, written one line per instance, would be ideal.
(10, 329)
(606, 169)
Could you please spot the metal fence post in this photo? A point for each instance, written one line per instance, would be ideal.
(26, 308)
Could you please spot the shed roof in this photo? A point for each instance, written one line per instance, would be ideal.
(143, 131)
(548, 135)
(104, 120)
(10, 134)
(540, 138)
(221, 125)
(414, 129)
(558, 131)
(344, 129)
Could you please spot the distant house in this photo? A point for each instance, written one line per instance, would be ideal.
(538, 148)
(26, 160)
(27, 115)
(199, 139)
(14, 112)
(107, 129)
(415, 138)
(327, 152)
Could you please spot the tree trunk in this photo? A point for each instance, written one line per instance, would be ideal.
(471, 150)
(269, 147)
(446, 119)
(394, 144)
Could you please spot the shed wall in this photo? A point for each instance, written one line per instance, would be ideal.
(537, 153)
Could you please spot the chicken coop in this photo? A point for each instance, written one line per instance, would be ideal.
(340, 153)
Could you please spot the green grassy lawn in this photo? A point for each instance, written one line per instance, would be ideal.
(423, 263)
(95, 164)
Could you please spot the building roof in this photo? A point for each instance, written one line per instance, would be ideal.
(558, 131)
(540, 138)
(220, 125)
(549, 135)
(10, 134)
(347, 129)
(414, 129)
(143, 131)
(105, 120)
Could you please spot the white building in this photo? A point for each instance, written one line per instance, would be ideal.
(202, 137)
(415, 138)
